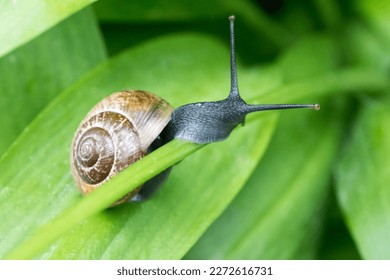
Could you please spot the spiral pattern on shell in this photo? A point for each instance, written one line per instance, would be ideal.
(115, 133)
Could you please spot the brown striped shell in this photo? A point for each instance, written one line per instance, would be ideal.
(115, 133)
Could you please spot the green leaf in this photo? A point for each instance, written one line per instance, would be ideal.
(34, 74)
(366, 48)
(161, 11)
(311, 56)
(47, 180)
(376, 13)
(363, 181)
(329, 12)
(20, 21)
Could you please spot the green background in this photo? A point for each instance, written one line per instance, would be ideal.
(288, 185)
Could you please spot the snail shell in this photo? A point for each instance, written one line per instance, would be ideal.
(117, 132)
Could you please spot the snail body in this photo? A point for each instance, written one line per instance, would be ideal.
(127, 125)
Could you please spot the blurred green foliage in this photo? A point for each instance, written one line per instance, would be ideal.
(290, 185)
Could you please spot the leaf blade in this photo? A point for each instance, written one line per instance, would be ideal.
(362, 181)
(30, 18)
(34, 74)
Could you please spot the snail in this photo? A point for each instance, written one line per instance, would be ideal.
(127, 125)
